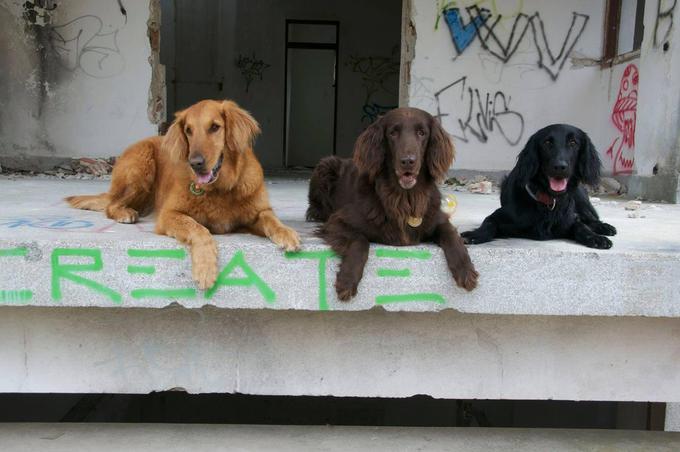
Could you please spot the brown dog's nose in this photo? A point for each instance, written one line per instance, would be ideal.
(408, 162)
(197, 163)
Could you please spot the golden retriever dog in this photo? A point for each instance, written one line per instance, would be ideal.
(202, 177)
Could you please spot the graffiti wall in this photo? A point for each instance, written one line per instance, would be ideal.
(74, 66)
(495, 71)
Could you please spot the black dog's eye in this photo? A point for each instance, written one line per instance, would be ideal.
(214, 128)
(573, 143)
(421, 133)
(188, 131)
(548, 144)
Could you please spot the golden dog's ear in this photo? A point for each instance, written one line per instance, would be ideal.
(175, 141)
(240, 127)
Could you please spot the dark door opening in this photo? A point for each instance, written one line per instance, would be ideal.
(311, 91)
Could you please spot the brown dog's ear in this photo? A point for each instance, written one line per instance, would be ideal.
(240, 127)
(175, 141)
(440, 151)
(369, 152)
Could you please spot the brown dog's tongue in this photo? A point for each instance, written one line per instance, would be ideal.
(558, 185)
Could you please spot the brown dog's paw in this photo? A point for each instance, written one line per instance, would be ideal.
(466, 278)
(204, 266)
(286, 238)
(345, 291)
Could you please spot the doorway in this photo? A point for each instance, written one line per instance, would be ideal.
(311, 91)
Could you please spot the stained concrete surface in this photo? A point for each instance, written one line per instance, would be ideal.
(638, 276)
(181, 437)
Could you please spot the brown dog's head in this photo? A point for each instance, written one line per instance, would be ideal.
(209, 134)
(402, 143)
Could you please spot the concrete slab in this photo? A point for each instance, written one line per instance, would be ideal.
(345, 354)
(53, 255)
(181, 437)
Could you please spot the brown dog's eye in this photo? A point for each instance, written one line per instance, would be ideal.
(394, 133)
(421, 133)
(188, 131)
(214, 128)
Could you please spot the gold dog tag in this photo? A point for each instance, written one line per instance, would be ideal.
(414, 222)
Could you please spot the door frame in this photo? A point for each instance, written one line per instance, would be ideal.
(310, 45)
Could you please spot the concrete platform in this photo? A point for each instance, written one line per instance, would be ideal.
(52, 255)
(181, 437)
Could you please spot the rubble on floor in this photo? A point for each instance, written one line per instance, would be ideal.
(477, 184)
(83, 168)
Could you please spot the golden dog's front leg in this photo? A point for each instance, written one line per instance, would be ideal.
(201, 245)
(266, 224)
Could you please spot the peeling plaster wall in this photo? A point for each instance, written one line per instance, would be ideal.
(77, 80)
(452, 77)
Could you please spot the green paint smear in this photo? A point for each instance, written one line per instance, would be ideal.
(67, 271)
(251, 279)
(178, 253)
(323, 257)
(387, 272)
(408, 298)
(13, 252)
(146, 269)
(163, 293)
(403, 254)
(15, 296)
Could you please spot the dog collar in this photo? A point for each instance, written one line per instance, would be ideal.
(195, 190)
(542, 197)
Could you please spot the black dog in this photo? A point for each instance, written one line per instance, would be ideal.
(388, 194)
(542, 197)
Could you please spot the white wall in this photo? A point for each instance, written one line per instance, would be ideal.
(82, 86)
(523, 96)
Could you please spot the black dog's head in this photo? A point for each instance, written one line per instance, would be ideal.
(557, 158)
(403, 142)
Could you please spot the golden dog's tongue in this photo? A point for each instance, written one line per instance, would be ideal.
(203, 178)
(557, 185)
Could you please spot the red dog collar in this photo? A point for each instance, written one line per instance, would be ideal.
(542, 197)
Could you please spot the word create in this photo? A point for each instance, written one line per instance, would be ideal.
(81, 266)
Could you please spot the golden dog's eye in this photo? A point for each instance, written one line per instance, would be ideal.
(188, 131)
(214, 128)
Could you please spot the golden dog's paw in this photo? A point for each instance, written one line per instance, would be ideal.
(204, 267)
(124, 215)
(286, 238)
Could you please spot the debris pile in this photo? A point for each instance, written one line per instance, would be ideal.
(478, 184)
(83, 168)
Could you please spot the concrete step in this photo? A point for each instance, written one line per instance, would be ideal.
(52, 255)
(182, 437)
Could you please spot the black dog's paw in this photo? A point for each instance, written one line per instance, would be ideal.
(598, 241)
(604, 229)
(345, 290)
(474, 237)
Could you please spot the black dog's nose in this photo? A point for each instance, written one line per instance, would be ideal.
(560, 166)
(408, 161)
(197, 162)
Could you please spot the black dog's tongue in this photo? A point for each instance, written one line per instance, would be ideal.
(557, 185)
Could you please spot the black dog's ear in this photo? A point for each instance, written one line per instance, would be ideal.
(369, 150)
(528, 162)
(589, 165)
(440, 151)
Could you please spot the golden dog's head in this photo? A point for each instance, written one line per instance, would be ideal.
(210, 136)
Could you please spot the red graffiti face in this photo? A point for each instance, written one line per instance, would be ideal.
(624, 117)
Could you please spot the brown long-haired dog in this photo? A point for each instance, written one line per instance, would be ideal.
(202, 177)
(388, 194)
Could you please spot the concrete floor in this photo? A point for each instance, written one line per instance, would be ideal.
(182, 437)
(636, 277)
